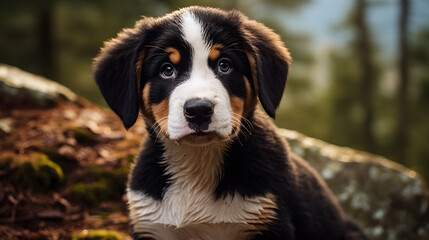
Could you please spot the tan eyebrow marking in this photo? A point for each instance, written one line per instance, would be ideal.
(174, 55)
(215, 51)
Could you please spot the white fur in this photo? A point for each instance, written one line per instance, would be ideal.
(188, 209)
(202, 83)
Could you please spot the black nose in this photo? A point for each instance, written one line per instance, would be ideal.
(198, 113)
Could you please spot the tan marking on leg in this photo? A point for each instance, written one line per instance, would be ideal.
(174, 55)
(267, 213)
(215, 51)
(160, 112)
(237, 106)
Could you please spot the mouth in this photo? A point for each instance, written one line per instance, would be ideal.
(200, 138)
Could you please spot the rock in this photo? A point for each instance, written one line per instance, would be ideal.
(5, 126)
(23, 88)
(390, 201)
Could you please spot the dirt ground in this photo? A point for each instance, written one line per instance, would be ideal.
(90, 145)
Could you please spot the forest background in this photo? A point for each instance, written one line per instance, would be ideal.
(360, 75)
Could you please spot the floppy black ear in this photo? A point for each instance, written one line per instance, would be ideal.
(115, 73)
(271, 61)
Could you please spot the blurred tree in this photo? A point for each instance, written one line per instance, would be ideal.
(363, 50)
(346, 107)
(418, 151)
(403, 86)
(46, 38)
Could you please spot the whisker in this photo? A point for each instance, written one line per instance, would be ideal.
(241, 124)
(236, 121)
(151, 56)
(157, 122)
(233, 49)
(246, 120)
(163, 126)
(232, 44)
(153, 46)
(155, 127)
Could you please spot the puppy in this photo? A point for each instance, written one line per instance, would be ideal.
(214, 166)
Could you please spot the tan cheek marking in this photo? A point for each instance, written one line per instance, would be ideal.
(174, 55)
(250, 102)
(252, 63)
(139, 67)
(237, 106)
(266, 215)
(145, 106)
(160, 111)
(215, 51)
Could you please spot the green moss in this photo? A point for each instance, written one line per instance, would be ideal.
(83, 135)
(103, 215)
(53, 154)
(130, 159)
(37, 171)
(91, 193)
(97, 235)
(109, 184)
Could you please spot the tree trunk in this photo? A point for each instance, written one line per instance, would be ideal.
(364, 52)
(403, 113)
(46, 40)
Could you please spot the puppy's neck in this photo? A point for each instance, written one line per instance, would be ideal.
(195, 167)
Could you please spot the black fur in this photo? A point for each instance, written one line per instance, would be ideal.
(255, 164)
(272, 64)
(149, 175)
(158, 39)
(115, 73)
(262, 163)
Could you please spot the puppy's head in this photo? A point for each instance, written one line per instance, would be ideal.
(194, 73)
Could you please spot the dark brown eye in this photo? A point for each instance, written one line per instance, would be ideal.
(224, 66)
(167, 71)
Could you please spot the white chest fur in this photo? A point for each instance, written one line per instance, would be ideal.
(189, 210)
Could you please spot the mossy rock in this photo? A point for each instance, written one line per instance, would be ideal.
(37, 171)
(109, 184)
(97, 235)
(91, 193)
(83, 135)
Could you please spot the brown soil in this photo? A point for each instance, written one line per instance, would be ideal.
(78, 137)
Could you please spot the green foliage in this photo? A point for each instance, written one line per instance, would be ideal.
(97, 235)
(37, 171)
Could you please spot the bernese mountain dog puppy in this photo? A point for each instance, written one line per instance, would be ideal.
(213, 166)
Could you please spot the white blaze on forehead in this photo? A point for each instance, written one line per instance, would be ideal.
(193, 33)
(202, 83)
